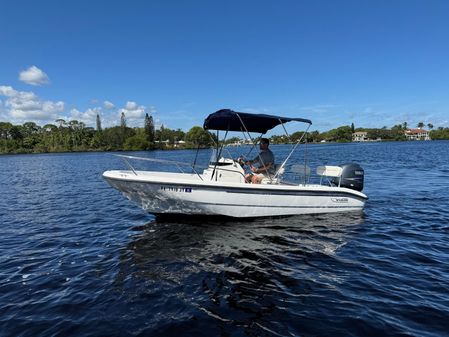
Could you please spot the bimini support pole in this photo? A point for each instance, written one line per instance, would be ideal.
(219, 150)
(293, 149)
(254, 146)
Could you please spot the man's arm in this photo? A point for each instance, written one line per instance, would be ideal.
(253, 161)
(262, 169)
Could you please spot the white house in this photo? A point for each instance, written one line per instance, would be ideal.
(417, 134)
(360, 136)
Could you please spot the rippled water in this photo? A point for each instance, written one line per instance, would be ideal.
(76, 258)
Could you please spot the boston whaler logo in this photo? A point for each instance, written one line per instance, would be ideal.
(340, 200)
(176, 189)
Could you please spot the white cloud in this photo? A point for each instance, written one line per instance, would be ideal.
(135, 113)
(132, 110)
(23, 106)
(3, 114)
(34, 76)
(108, 105)
(88, 117)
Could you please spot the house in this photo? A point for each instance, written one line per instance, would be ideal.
(417, 134)
(179, 143)
(360, 136)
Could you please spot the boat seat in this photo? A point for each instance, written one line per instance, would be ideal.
(279, 171)
(302, 171)
(329, 171)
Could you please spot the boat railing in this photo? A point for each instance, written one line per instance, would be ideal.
(178, 164)
(302, 172)
(329, 172)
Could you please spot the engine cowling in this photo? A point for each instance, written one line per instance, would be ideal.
(352, 177)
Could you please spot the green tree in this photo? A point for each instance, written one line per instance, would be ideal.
(178, 135)
(197, 136)
(314, 136)
(420, 125)
(149, 128)
(296, 136)
(98, 123)
(233, 140)
(114, 138)
(123, 120)
(5, 129)
(440, 134)
(278, 139)
(61, 122)
(30, 128)
(340, 134)
(5, 135)
(137, 142)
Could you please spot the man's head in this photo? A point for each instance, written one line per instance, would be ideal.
(264, 143)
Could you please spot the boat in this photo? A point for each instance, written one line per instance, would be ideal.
(220, 189)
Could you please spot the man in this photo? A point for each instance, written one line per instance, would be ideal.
(264, 161)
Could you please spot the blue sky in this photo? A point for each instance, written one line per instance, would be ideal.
(373, 63)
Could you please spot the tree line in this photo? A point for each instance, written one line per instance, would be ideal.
(68, 136)
(344, 134)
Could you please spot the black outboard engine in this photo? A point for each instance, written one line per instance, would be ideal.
(351, 177)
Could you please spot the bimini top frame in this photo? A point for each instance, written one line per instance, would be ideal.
(229, 120)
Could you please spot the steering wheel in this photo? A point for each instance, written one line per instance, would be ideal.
(240, 161)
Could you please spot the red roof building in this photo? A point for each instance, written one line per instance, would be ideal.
(417, 134)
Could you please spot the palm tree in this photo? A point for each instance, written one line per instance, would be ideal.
(98, 123)
(74, 126)
(430, 126)
(420, 125)
(123, 120)
(61, 122)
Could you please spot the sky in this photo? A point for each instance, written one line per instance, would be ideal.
(371, 63)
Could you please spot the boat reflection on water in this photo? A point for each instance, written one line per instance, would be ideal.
(199, 238)
(237, 272)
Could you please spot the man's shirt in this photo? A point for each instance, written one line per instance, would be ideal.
(264, 158)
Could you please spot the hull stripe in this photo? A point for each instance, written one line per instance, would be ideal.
(259, 191)
(271, 206)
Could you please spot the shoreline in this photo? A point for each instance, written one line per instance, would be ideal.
(206, 148)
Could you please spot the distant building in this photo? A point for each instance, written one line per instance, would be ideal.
(179, 143)
(360, 136)
(241, 143)
(417, 134)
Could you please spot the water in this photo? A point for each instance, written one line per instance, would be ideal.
(76, 258)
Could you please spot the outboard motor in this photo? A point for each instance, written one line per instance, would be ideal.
(351, 177)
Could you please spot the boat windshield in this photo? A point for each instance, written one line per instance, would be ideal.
(213, 156)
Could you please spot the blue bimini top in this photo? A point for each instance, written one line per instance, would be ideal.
(229, 120)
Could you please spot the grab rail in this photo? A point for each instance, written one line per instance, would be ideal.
(178, 164)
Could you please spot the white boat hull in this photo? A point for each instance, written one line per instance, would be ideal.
(174, 193)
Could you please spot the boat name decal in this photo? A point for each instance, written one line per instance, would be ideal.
(176, 189)
(340, 200)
